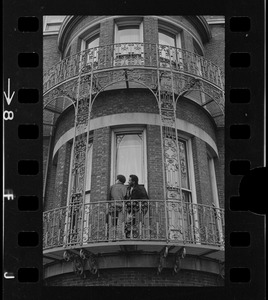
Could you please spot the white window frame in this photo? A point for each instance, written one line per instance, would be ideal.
(129, 130)
(92, 57)
(67, 224)
(177, 56)
(117, 34)
(191, 175)
(70, 171)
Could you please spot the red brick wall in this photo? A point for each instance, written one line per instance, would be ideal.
(191, 112)
(138, 277)
(215, 48)
(107, 32)
(124, 101)
(100, 177)
(51, 54)
(154, 163)
(138, 100)
(50, 188)
(64, 123)
(150, 30)
(76, 46)
(187, 41)
(150, 35)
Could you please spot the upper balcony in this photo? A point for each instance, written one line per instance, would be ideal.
(134, 56)
(149, 225)
(126, 65)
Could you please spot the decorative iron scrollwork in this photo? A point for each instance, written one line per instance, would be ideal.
(78, 263)
(162, 257)
(179, 255)
(91, 260)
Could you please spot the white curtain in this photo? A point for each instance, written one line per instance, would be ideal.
(129, 156)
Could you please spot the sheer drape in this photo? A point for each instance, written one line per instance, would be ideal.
(129, 155)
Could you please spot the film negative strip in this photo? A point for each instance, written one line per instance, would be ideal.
(93, 91)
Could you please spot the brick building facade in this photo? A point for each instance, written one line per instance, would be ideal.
(142, 95)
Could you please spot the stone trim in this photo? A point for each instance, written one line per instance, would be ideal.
(138, 118)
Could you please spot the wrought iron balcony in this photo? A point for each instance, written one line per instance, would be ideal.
(142, 221)
(136, 55)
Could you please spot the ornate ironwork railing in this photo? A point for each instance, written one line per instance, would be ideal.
(172, 221)
(141, 55)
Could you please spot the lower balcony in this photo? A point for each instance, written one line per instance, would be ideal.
(134, 225)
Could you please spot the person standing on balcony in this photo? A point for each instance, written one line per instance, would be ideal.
(136, 210)
(118, 191)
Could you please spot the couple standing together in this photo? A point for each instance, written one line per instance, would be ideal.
(120, 191)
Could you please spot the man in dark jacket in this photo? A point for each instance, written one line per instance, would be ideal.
(134, 208)
(136, 191)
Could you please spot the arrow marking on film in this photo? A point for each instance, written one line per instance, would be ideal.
(7, 96)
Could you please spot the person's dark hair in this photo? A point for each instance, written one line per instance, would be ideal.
(134, 178)
(121, 178)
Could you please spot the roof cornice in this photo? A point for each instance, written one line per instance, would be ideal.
(66, 27)
(70, 22)
(202, 26)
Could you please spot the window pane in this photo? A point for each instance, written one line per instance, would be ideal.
(171, 158)
(128, 35)
(93, 42)
(183, 164)
(129, 155)
(165, 39)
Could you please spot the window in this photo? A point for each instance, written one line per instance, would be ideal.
(74, 177)
(128, 155)
(73, 221)
(198, 59)
(93, 42)
(166, 38)
(169, 48)
(181, 215)
(128, 42)
(174, 179)
(91, 47)
(128, 34)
